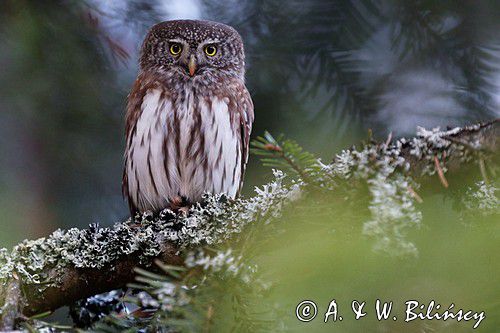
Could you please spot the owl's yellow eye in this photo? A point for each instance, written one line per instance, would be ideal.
(210, 50)
(175, 49)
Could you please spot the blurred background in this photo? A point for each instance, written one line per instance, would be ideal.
(322, 72)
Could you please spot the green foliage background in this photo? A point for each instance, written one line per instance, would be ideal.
(323, 73)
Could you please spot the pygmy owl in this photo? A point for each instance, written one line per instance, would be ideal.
(189, 116)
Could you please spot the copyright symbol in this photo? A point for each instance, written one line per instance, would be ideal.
(306, 311)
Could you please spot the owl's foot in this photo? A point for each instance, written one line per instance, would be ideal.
(180, 205)
(184, 210)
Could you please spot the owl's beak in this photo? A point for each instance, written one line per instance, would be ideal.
(192, 65)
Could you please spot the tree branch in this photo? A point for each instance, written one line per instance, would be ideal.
(455, 146)
(13, 304)
(75, 264)
(80, 283)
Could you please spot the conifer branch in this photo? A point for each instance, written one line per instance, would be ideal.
(50, 272)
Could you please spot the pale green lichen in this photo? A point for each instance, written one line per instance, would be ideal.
(90, 248)
(391, 205)
(393, 213)
(437, 143)
(214, 221)
(386, 171)
(218, 219)
(225, 264)
(483, 199)
(383, 167)
(225, 273)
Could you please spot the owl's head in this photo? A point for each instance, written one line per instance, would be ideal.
(193, 48)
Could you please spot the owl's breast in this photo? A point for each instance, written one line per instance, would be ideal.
(209, 151)
(183, 146)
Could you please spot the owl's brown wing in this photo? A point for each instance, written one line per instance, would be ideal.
(134, 101)
(246, 121)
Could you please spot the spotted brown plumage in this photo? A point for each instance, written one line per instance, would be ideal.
(189, 116)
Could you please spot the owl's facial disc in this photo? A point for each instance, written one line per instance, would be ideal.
(194, 50)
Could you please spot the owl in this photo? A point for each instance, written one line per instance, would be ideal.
(189, 117)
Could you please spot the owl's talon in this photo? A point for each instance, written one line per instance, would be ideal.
(183, 210)
(176, 202)
(180, 205)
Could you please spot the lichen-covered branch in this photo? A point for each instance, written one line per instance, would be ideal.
(452, 147)
(75, 264)
(393, 173)
(76, 283)
(12, 304)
